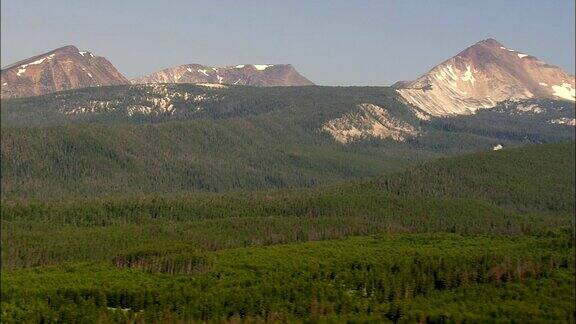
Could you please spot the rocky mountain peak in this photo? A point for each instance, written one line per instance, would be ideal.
(481, 76)
(489, 42)
(261, 75)
(63, 68)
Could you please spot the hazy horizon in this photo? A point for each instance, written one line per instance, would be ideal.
(331, 43)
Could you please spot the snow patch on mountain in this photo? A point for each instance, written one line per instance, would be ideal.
(564, 121)
(261, 67)
(212, 85)
(22, 68)
(565, 91)
(40, 61)
(468, 75)
(83, 53)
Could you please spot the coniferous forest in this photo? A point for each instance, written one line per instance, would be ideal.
(85, 142)
(482, 237)
(239, 162)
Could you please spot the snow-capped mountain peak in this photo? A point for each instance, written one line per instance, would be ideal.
(483, 75)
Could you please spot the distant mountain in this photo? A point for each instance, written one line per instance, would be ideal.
(482, 76)
(264, 75)
(61, 69)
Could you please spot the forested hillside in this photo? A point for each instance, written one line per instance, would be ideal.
(131, 204)
(505, 178)
(446, 237)
(75, 160)
(145, 139)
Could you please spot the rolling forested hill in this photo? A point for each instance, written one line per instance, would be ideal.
(144, 139)
(134, 204)
(487, 236)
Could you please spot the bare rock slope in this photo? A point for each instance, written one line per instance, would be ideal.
(368, 121)
(64, 68)
(481, 76)
(263, 75)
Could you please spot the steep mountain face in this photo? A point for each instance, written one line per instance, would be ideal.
(266, 75)
(481, 76)
(61, 69)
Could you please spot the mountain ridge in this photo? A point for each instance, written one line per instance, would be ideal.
(244, 74)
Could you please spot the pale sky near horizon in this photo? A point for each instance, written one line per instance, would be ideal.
(331, 42)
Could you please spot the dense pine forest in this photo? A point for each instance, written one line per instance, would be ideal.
(482, 237)
(88, 142)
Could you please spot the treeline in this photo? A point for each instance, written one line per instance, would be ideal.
(508, 123)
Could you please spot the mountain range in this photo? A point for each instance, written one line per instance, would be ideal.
(481, 76)
(179, 130)
(69, 68)
(260, 75)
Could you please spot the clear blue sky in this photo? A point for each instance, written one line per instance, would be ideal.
(330, 42)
